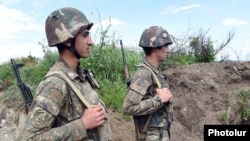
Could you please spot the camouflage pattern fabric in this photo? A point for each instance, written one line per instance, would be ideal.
(56, 111)
(155, 36)
(141, 98)
(63, 24)
(157, 134)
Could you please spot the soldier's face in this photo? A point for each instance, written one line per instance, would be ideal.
(162, 53)
(83, 43)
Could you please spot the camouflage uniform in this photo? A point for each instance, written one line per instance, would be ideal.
(56, 111)
(141, 99)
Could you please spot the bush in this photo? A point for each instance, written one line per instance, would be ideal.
(106, 63)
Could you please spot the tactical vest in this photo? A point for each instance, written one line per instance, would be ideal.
(143, 122)
(102, 133)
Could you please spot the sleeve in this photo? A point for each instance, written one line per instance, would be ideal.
(135, 101)
(50, 98)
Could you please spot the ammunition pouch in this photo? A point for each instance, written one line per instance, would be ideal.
(141, 126)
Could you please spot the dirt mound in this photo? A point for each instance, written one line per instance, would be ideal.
(204, 93)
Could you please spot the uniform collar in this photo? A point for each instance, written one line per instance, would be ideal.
(65, 68)
(146, 62)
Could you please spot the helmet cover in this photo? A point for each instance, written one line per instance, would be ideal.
(63, 24)
(155, 36)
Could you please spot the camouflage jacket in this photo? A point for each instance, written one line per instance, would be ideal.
(56, 111)
(141, 98)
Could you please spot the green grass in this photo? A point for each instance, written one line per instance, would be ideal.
(105, 62)
(243, 98)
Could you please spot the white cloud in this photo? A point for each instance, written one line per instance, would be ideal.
(9, 50)
(112, 23)
(19, 34)
(15, 21)
(185, 8)
(233, 21)
(107, 22)
(175, 10)
(103, 25)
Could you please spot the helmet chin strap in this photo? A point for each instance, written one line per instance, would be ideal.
(73, 48)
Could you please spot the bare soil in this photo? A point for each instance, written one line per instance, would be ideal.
(202, 93)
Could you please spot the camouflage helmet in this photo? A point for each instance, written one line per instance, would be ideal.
(63, 24)
(155, 36)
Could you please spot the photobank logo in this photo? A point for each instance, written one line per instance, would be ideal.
(215, 132)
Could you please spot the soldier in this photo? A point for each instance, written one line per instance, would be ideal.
(144, 100)
(57, 113)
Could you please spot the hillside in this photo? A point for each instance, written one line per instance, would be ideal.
(203, 93)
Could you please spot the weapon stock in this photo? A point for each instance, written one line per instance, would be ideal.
(125, 66)
(26, 93)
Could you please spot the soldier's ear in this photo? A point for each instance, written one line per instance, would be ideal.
(67, 43)
(155, 49)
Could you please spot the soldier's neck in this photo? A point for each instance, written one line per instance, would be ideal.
(153, 61)
(72, 61)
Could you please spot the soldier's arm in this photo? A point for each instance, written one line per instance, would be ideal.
(135, 102)
(42, 116)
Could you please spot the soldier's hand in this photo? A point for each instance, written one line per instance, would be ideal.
(93, 117)
(165, 94)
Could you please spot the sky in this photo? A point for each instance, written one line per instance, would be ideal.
(22, 22)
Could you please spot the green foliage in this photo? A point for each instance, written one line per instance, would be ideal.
(243, 98)
(183, 59)
(106, 63)
(225, 116)
(6, 74)
(203, 49)
(113, 94)
(43, 66)
(196, 48)
(35, 69)
(239, 110)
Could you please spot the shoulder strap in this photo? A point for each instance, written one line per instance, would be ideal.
(158, 85)
(155, 77)
(73, 87)
(168, 108)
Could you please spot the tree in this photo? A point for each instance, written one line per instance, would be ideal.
(203, 46)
